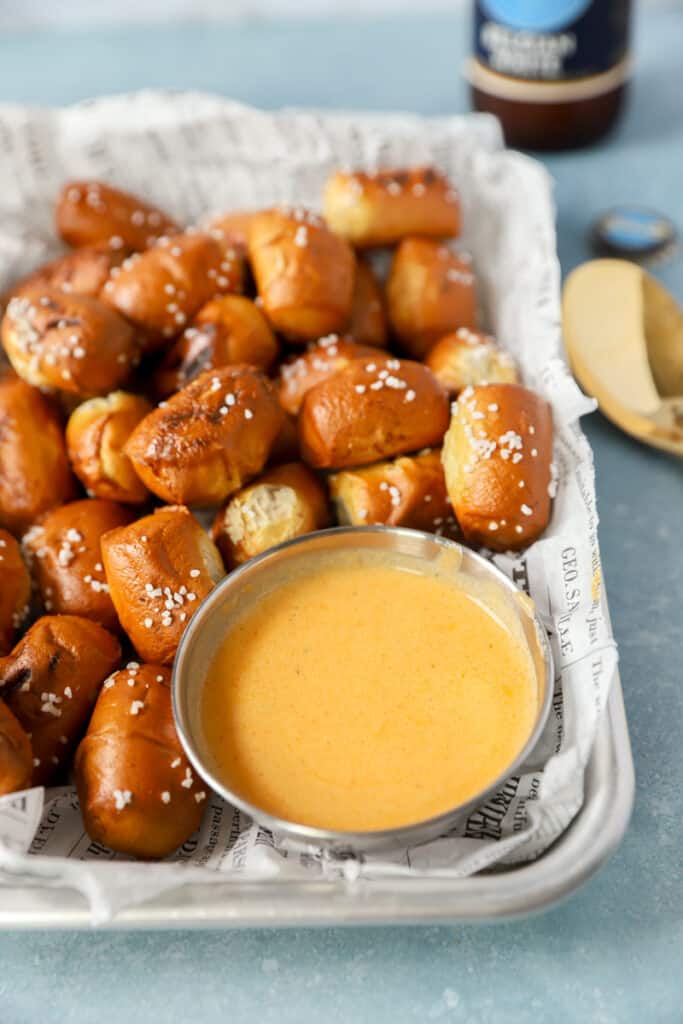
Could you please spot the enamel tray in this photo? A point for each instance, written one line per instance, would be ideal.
(213, 149)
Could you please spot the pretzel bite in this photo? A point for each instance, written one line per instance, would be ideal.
(304, 274)
(73, 343)
(230, 228)
(137, 791)
(319, 362)
(409, 491)
(159, 570)
(497, 459)
(209, 438)
(161, 289)
(83, 271)
(228, 329)
(16, 756)
(372, 410)
(15, 590)
(88, 212)
(430, 292)
(368, 323)
(383, 207)
(95, 435)
(468, 357)
(63, 549)
(50, 682)
(284, 503)
(34, 469)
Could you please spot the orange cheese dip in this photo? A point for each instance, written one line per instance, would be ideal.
(361, 696)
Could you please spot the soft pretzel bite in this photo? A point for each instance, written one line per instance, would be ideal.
(408, 491)
(228, 329)
(284, 503)
(71, 343)
(15, 590)
(430, 292)
(304, 274)
(497, 459)
(466, 357)
(16, 756)
(137, 791)
(161, 289)
(50, 682)
(370, 410)
(159, 570)
(230, 228)
(34, 469)
(206, 440)
(95, 436)
(319, 362)
(88, 212)
(82, 271)
(368, 323)
(64, 550)
(383, 207)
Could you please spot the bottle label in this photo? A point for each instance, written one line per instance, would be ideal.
(551, 40)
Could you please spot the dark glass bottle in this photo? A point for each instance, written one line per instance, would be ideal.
(554, 71)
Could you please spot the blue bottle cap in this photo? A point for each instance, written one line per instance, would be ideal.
(634, 233)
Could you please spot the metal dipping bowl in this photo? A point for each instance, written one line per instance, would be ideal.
(260, 576)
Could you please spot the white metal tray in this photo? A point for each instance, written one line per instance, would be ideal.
(233, 901)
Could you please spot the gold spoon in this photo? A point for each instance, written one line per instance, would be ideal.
(624, 336)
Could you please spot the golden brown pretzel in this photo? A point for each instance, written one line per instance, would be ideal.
(230, 228)
(50, 682)
(88, 212)
(64, 550)
(137, 790)
(497, 459)
(15, 590)
(383, 207)
(370, 410)
(16, 756)
(368, 322)
(161, 289)
(159, 569)
(228, 329)
(409, 491)
(34, 469)
(207, 439)
(284, 503)
(71, 343)
(430, 292)
(467, 357)
(82, 271)
(304, 273)
(316, 364)
(95, 436)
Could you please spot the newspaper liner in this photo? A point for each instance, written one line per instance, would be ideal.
(196, 154)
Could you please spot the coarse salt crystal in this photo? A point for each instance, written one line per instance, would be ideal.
(122, 797)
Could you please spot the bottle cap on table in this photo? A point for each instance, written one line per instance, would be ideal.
(634, 233)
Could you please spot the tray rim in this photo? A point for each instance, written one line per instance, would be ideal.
(521, 891)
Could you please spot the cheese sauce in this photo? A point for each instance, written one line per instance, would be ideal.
(361, 696)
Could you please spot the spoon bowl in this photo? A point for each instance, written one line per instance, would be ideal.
(624, 338)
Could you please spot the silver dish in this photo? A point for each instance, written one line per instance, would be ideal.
(260, 574)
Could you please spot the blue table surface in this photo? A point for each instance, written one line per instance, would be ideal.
(612, 953)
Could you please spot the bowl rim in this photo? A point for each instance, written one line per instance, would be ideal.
(402, 835)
